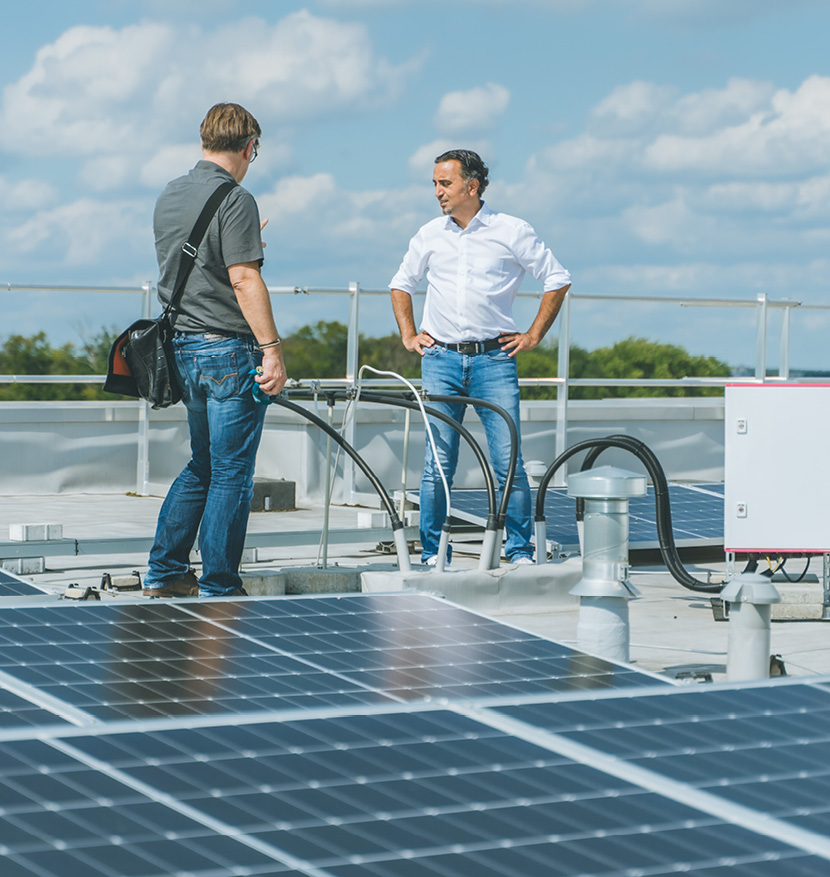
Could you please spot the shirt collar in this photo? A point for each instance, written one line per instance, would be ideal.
(483, 217)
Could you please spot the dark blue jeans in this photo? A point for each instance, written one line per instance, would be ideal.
(491, 376)
(212, 496)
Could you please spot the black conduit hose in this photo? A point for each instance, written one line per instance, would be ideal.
(489, 481)
(514, 442)
(403, 402)
(335, 435)
(665, 534)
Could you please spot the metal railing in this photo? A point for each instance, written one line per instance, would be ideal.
(762, 305)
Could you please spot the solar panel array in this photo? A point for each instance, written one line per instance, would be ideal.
(13, 586)
(697, 515)
(384, 736)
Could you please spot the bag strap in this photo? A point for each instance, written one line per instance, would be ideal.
(190, 248)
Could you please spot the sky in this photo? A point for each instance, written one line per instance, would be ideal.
(668, 148)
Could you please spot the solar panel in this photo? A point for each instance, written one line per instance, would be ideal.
(764, 748)
(139, 660)
(414, 646)
(13, 586)
(18, 712)
(423, 792)
(697, 515)
(385, 735)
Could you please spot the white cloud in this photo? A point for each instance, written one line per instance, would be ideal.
(79, 97)
(314, 211)
(631, 106)
(790, 134)
(136, 92)
(169, 162)
(24, 195)
(473, 110)
(87, 231)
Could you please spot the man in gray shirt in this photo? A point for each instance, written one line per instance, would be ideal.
(225, 329)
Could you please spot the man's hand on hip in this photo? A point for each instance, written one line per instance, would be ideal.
(418, 342)
(513, 342)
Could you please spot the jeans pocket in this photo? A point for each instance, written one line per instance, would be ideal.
(219, 375)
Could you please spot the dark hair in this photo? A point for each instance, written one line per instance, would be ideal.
(472, 167)
(229, 128)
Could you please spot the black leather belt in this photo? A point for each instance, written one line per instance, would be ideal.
(471, 347)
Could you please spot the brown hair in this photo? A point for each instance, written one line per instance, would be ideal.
(229, 128)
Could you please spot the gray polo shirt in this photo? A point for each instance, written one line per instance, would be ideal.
(209, 302)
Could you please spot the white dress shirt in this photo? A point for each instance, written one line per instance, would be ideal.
(474, 273)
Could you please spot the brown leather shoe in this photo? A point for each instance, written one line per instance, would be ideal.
(186, 586)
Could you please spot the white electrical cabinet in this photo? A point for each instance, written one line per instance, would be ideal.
(777, 468)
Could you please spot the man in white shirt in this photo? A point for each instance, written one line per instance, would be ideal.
(474, 261)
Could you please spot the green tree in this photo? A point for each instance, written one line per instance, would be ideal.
(319, 351)
(641, 358)
(20, 355)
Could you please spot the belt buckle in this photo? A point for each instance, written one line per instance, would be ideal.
(468, 347)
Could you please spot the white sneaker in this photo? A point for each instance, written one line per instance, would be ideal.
(433, 561)
(523, 560)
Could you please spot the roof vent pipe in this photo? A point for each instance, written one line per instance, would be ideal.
(604, 589)
(750, 597)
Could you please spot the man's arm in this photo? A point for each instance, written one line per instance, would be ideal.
(255, 304)
(549, 307)
(411, 337)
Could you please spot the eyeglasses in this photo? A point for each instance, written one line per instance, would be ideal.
(254, 152)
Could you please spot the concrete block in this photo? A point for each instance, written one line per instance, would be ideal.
(506, 590)
(365, 520)
(25, 565)
(266, 582)
(35, 532)
(273, 496)
(249, 555)
(797, 611)
(803, 600)
(313, 580)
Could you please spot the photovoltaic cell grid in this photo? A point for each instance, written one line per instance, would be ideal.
(697, 514)
(144, 660)
(415, 794)
(766, 749)
(12, 586)
(396, 785)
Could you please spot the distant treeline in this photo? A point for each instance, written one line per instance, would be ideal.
(319, 351)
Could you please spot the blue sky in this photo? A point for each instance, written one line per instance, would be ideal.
(662, 147)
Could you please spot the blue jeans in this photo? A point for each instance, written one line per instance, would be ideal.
(493, 377)
(212, 496)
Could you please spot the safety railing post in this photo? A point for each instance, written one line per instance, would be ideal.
(761, 338)
(352, 365)
(784, 347)
(563, 389)
(142, 480)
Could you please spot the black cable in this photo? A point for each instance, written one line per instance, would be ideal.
(401, 401)
(798, 578)
(665, 533)
(329, 430)
(490, 484)
(514, 443)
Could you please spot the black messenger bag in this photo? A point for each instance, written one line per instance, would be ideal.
(141, 361)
